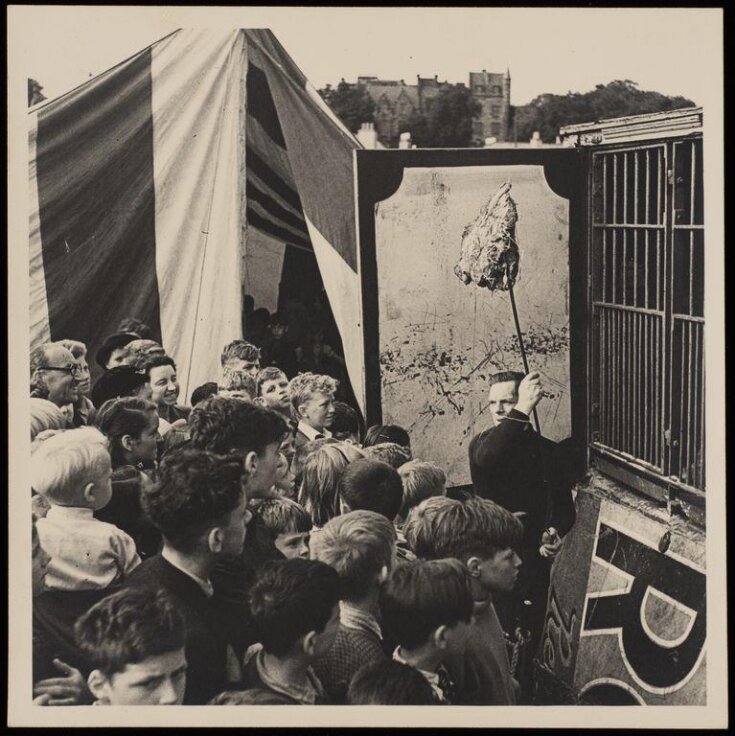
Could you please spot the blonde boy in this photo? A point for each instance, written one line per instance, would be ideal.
(72, 471)
(312, 404)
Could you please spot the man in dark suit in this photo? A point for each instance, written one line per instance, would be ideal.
(200, 508)
(521, 471)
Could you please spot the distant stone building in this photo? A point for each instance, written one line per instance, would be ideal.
(396, 101)
(492, 91)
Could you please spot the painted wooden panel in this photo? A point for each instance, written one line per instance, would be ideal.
(441, 339)
(626, 622)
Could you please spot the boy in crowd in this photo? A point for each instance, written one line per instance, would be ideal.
(312, 404)
(236, 384)
(485, 537)
(134, 641)
(203, 392)
(389, 452)
(295, 613)
(360, 546)
(200, 508)
(371, 485)
(73, 471)
(374, 486)
(121, 381)
(345, 423)
(379, 433)
(113, 353)
(388, 682)
(289, 525)
(240, 355)
(421, 480)
(272, 389)
(223, 426)
(426, 609)
(418, 528)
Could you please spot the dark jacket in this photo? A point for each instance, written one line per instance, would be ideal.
(206, 644)
(125, 510)
(511, 465)
(352, 649)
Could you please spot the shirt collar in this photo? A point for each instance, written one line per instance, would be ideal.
(308, 693)
(70, 512)
(205, 585)
(353, 618)
(310, 432)
(431, 677)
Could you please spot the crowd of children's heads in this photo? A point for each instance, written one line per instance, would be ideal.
(264, 508)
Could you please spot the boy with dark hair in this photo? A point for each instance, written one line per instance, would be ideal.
(134, 641)
(346, 423)
(371, 485)
(199, 507)
(289, 524)
(426, 608)
(203, 392)
(387, 433)
(121, 381)
(360, 546)
(240, 355)
(294, 607)
(223, 425)
(485, 537)
(389, 452)
(388, 682)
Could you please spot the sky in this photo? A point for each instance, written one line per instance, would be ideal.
(546, 49)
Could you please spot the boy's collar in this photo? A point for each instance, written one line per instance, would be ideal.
(310, 432)
(205, 585)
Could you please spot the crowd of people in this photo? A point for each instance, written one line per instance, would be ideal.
(255, 545)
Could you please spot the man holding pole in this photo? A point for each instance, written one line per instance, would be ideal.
(514, 466)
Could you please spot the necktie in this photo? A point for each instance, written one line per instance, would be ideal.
(446, 684)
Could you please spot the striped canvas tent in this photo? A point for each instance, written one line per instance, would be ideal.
(165, 187)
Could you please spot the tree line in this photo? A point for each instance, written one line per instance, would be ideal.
(449, 121)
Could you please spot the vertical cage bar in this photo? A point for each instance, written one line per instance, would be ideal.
(691, 272)
(692, 178)
(647, 218)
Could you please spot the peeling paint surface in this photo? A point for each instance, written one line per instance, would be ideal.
(440, 340)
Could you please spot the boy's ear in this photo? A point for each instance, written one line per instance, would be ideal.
(302, 410)
(89, 492)
(343, 507)
(215, 540)
(99, 686)
(441, 637)
(383, 574)
(251, 462)
(308, 643)
(473, 565)
(127, 442)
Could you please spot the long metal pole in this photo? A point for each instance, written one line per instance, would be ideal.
(523, 349)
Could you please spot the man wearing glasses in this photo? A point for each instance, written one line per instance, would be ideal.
(54, 374)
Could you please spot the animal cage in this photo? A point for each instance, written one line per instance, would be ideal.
(646, 303)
